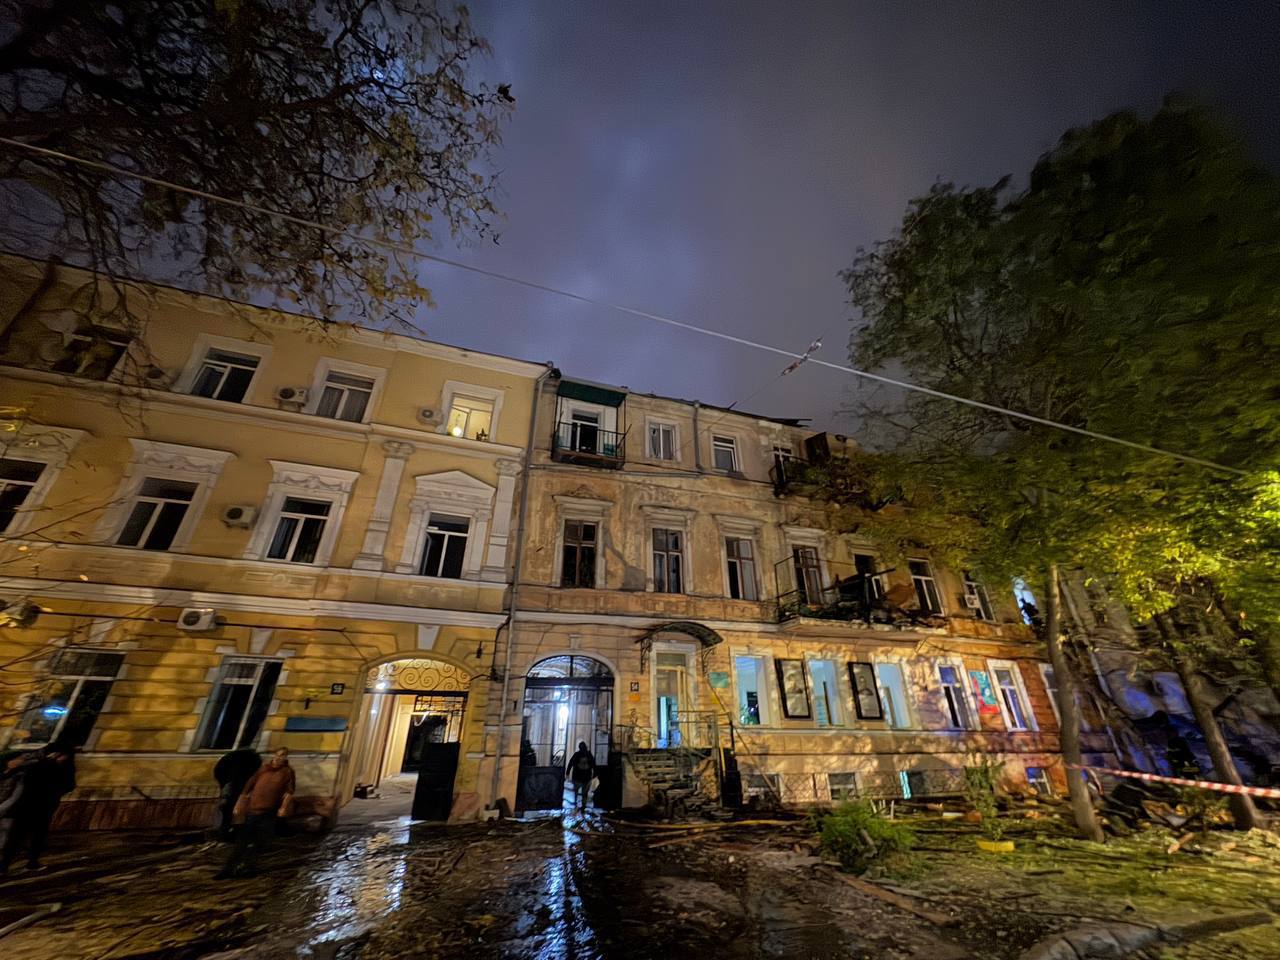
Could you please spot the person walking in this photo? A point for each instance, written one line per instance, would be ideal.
(40, 781)
(267, 794)
(581, 770)
(232, 771)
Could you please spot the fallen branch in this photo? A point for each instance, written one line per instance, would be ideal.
(1177, 844)
(901, 902)
(39, 913)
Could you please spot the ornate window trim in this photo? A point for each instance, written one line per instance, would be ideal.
(50, 446)
(660, 517)
(328, 365)
(313, 483)
(456, 494)
(167, 461)
(581, 508)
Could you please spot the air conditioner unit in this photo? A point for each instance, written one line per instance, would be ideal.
(427, 415)
(973, 601)
(296, 395)
(240, 515)
(198, 618)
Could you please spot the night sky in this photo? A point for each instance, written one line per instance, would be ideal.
(721, 162)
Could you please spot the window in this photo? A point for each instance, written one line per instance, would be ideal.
(470, 417)
(299, 530)
(1038, 779)
(956, 702)
(782, 458)
(225, 375)
(668, 560)
(893, 695)
(1012, 696)
(239, 703)
(69, 705)
(752, 700)
(976, 599)
(92, 352)
(446, 546)
(724, 453)
(767, 786)
(926, 586)
(1051, 687)
(579, 557)
(662, 441)
(842, 786)
(826, 694)
(866, 691)
(157, 514)
(808, 570)
(17, 478)
(740, 556)
(584, 431)
(793, 689)
(865, 566)
(344, 397)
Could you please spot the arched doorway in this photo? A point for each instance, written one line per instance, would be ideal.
(567, 699)
(412, 713)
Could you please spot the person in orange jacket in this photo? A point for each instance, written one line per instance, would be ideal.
(267, 795)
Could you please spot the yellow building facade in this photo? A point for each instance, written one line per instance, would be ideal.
(223, 527)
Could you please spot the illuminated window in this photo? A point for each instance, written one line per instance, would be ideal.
(893, 694)
(1038, 778)
(826, 693)
(158, 510)
(239, 704)
(470, 417)
(753, 702)
(68, 707)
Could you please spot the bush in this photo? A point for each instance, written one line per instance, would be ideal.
(980, 783)
(860, 838)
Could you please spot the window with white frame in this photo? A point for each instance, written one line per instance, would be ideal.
(446, 546)
(1051, 687)
(753, 701)
(955, 697)
(926, 586)
(724, 453)
(662, 440)
(842, 786)
(1038, 780)
(976, 599)
(1012, 695)
(826, 693)
(239, 703)
(893, 694)
(740, 560)
(668, 561)
(225, 375)
(302, 513)
(470, 417)
(67, 707)
(344, 396)
(17, 479)
(156, 514)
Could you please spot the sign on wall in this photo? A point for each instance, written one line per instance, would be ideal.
(719, 679)
(984, 692)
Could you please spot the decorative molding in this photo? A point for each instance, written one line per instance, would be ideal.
(306, 480)
(207, 341)
(731, 525)
(451, 492)
(587, 508)
(421, 674)
(51, 446)
(508, 468)
(671, 516)
(397, 449)
(305, 476)
(427, 635)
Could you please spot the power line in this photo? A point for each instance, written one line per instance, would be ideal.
(408, 250)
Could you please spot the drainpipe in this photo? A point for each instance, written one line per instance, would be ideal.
(515, 578)
(697, 444)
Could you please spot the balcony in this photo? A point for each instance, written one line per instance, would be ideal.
(788, 475)
(852, 594)
(588, 445)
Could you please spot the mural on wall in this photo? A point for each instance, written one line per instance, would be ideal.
(984, 692)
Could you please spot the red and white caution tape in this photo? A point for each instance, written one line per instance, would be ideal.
(1178, 781)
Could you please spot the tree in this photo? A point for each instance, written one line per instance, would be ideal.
(357, 113)
(1127, 288)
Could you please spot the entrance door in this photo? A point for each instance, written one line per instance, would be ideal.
(433, 796)
(671, 686)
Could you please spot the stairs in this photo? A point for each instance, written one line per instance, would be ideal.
(675, 778)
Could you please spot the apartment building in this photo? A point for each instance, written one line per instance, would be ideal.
(223, 526)
(677, 591)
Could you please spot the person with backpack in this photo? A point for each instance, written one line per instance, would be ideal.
(581, 770)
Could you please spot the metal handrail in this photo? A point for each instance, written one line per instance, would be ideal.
(588, 441)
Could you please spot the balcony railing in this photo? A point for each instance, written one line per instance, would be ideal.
(587, 444)
(787, 473)
(845, 594)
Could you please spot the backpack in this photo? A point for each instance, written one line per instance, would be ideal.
(582, 763)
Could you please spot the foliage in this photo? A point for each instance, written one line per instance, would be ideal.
(357, 113)
(860, 838)
(981, 783)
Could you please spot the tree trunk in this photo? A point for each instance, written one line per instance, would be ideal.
(1242, 808)
(1069, 712)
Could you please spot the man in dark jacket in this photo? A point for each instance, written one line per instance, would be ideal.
(41, 781)
(581, 769)
(232, 771)
(268, 794)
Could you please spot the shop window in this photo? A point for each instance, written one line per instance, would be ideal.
(225, 375)
(299, 530)
(239, 704)
(446, 546)
(893, 695)
(752, 700)
(68, 706)
(158, 510)
(578, 563)
(740, 558)
(17, 478)
(668, 561)
(926, 586)
(344, 397)
(826, 693)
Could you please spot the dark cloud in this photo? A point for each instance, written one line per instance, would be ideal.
(721, 163)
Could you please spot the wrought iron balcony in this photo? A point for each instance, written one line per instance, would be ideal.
(850, 594)
(588, 445)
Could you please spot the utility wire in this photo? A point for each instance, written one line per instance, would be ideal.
(408, 250)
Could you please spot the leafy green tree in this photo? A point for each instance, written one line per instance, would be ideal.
(1128, 288)
(363, 114)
